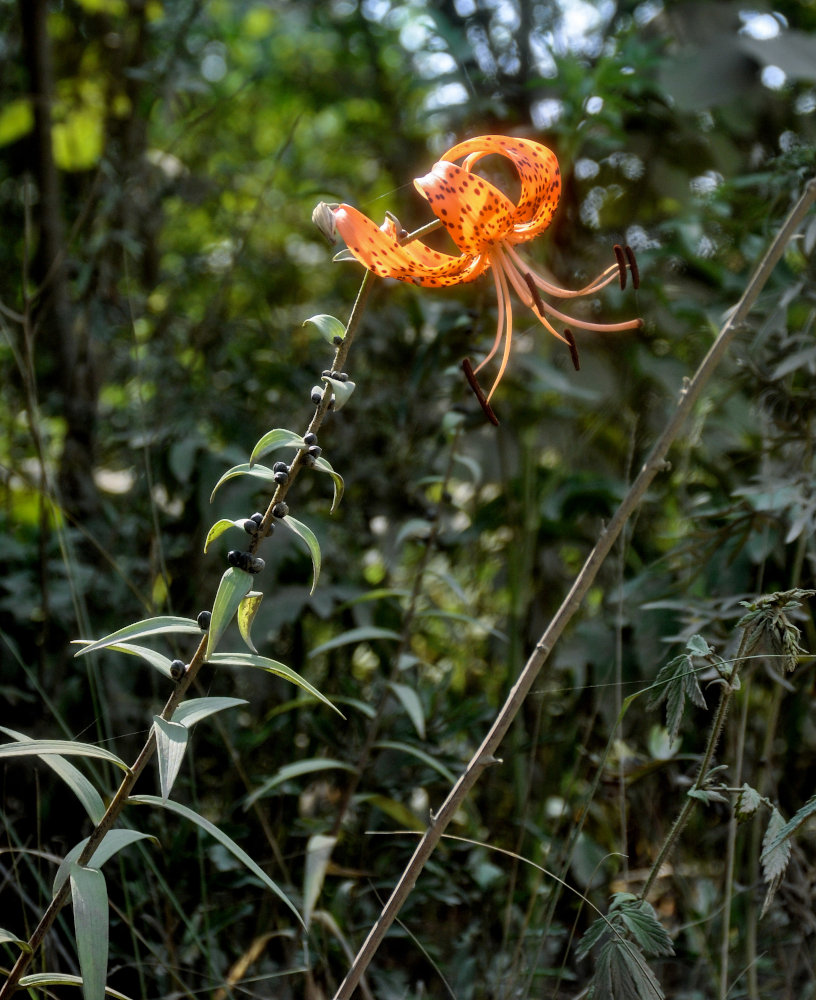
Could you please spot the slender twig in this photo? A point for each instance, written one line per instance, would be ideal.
(485, 755)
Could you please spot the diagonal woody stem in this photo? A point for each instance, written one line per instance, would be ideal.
(656, 462)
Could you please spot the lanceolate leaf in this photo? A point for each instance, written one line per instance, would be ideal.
(323, 465)
(329, 327)
(222, 838)
(318, 854)
(308, 536)
(342, 390)
(219, 528)
(273, 667)
(60, 748)
(277, 438)
(296, 770)
(234, 586)
(139, 630)
(410, 701)
(366, 633)
(171, 742)
(113, 841)
(73, 778)
(40, 980)
(244, 469)
(90, 901)
(247, 610)
(194, 710)
(6, 937)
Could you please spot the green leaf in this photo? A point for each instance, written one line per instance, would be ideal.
(622, 973)
(171, 742)
(194, 710)
(139, 630)
(40, 980)
(675, 683)
(776, 853)
(426, 758)
(297, 770)
(73, 778)
(400, 813)
(748, 801)
(220, 527)
(60, 748)
(6, 937)
(342, 390)
(697, 646)
(234, 586)
(244, 469)
(318, 854)
(410, 701)
(245, 616)
(222, 838)
(308, 536)
(329, 326)
(90, 901)
(272, 667)
(157, 660)
(639, 918)
(278, 437)
(323, 465)
(366, 633)
(113, 842)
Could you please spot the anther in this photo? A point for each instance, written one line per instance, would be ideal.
(534, 292)
(467, 368)
(573, 349)
(630, 256)
(621, 262)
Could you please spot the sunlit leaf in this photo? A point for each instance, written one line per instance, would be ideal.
(189, 712)
(245, 616)
(322, 465)
(365, 633)
(113, 842)
(171, 742)
(89, 895)
(278, 437)
(41, 980)
(296, 770)
(244, 469)
(140, 630)
(308, 536)
(272, 667)
(157, 660)
(318, 854)
(342, 390)
(6, 937)
(234, 586)
(62, 748)
(218, 529)
(330, 328)
(222, 838)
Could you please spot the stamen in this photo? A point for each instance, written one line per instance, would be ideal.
(477, 391)
(618, 249)
(602, 280)
(630, 256)
(534, 292)
(500, 295)
(573, 349)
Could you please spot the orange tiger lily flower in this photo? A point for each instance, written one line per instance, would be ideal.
(486, 226)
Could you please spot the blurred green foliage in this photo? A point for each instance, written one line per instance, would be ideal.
(190, 141)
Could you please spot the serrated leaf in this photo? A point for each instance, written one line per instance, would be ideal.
(278, 437)
(40, 980)
(6, 937)
(222, 838)
(60, 748)
(365, 633)
(234, 586)
(318, 854)
(305, 532)
(73, 778)
(793, 824)
(156, 660)
(339, 486)
(329, 326)
(243, 469)
(272, 667)
(218, 529)
(650, 935)
(698, 646)
(748, 801)
(622, 973)
(171, 742)
(139, 630)
(245, 616)
(342, 390)
(776, 853)
(676, 682)
(194, 710)
(410, 701)
(113, 842)
(296, 770)
(89, 895)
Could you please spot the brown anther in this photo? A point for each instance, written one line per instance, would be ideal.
(621, 262)
(467, 368)
(573, 349)
(630, 256)
(534, 292)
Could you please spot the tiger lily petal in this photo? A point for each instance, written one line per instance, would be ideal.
(486, 226)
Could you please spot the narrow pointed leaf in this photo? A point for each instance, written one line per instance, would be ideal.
(194, 710)
(73, 778)
(247, 610)
(318, 854)
(222, 838)
(244, 469)
(113, 842)
(218, 529)
(342, 390)
(39, 981)
(90, 901)
(308, 536)
(272, 667)
(291, 771)
(420, 755)
(60, 748)
(6, 937)
(171, 742)
(410, 701)
(329, 327)
(277, 438)
(366, 633)
(323, 465)
(157, 660)
(139, 630)
(234, 586)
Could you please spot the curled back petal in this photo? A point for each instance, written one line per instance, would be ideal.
(538, 172)
(475, 213)
(381, 252)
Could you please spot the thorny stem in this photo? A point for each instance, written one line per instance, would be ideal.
(727, 690)
(485, 755)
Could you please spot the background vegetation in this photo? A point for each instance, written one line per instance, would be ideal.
(161, 163)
